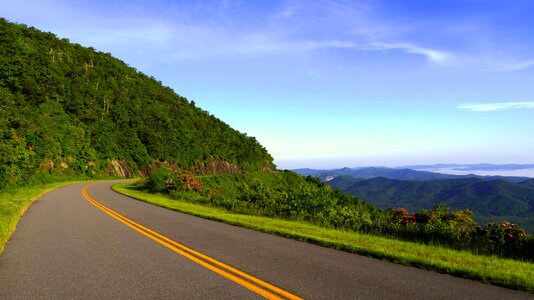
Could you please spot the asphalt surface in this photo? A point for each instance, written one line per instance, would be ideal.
(66, 248)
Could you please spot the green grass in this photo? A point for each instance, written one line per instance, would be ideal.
(489, 269)
(13, 204)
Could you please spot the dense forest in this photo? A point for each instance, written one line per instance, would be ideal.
(490, 200)
(71, 111)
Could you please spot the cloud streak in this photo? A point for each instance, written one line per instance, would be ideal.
(485, 107)
(433, 55)
(290, 29)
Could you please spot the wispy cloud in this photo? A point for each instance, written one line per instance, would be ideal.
(433, 55)
(483, 107)
(291, 28)
(515, 65)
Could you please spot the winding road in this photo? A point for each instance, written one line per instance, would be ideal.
(84, 241)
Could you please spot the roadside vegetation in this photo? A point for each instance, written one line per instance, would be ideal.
(496, 270)
(287, 195)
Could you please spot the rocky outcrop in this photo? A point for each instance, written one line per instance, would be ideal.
(120, 168)
(201, 167)
(47, 166)
(266, 167)
(215, 166)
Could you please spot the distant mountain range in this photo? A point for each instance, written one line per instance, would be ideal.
(398, 173)
(492, 198)
(472, 167)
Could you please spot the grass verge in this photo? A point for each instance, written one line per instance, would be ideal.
(13, 204)
(489, 269)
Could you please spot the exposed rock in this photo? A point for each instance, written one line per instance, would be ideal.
(91, 165)
(266, 167)
(64, 165)
(144, 171)
(215, 166)
(202, 167)
(120, 168)
(48, 165)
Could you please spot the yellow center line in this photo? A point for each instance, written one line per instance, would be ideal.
(262, 288)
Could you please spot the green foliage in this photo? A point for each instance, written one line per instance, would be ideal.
(286, 195)
(504, 238)
(490, 200)
(274, 194)
(156, 181)
(458, 230)
(68, 111)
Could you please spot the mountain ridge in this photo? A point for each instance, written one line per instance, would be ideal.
(397, 173)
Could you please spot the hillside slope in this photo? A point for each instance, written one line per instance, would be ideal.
(493, 199)
(527, 183)
(68, 110)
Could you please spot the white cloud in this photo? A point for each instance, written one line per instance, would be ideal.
(433, 55)
(514, 65)
(483, 107)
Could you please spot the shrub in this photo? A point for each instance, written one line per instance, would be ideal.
(157, 180)
(503, 238)
(184, 182)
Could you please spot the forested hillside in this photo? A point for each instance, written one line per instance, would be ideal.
(67, 110)
(489, 199)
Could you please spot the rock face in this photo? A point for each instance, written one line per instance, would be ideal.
(47, 166)
(266, 167)
(215, 166)
(210, 167)
(120, 168)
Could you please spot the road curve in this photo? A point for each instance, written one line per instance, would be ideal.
(66, 247)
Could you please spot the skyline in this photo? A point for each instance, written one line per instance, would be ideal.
(330, 83)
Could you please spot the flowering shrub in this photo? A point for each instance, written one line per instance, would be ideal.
(503, 238)
(505, 230)
(184, 182)
(401, 215)
(458, 230)
(435, 226)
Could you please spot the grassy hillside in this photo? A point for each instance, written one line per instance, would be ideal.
(490, 200)
(69, 111)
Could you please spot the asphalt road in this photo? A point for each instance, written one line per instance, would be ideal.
(65, 247)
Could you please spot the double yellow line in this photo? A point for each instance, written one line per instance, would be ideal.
(252, 283)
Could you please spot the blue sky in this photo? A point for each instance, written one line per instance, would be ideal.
(331, 83)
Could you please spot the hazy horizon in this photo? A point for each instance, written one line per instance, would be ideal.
(338, 164)
(323, 82)
(526, 172)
